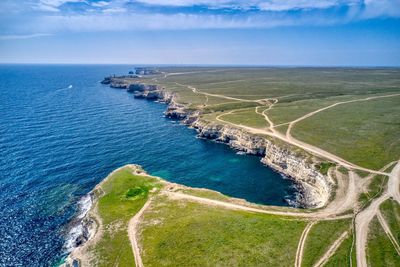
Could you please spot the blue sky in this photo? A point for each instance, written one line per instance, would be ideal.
(253, 32)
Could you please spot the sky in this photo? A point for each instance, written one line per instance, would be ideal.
(207, 32)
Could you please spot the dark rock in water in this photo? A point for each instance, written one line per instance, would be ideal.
(118, 85)
(106, 80)
(138, 95)
(134, 87)
(152, 95)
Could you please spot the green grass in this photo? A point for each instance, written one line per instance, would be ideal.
(321, 237)
(176, 233)
(124, 195)
(289, 111)
(291, 84)
(246, 117)
(391, 212)
(324, 167)
(342, 256)
(375, 189)
(365, 133)
(380, 251)
(229, 106)
(343, 170)
(361, 173)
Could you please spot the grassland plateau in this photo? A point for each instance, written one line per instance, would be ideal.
(334, 131)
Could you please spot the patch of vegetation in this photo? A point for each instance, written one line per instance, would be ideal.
(324, 167)
(177, 233)
(246, 117)
(136, 192)
(115, 208)
(391, 212)
(205, 193)
(375, 189)
(321, 237)
(361, 173)
(380, 251)
(229, 106)
(343, 170)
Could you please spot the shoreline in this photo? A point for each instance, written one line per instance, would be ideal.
(314, 188)
(88, 222)
(92, 225)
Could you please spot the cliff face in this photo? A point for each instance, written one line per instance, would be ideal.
(314, 187)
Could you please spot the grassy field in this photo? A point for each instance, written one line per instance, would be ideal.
(321, 237)
(289, 84)
(391, 212)
(183, 233)
(247, 117)
(365, 133)
(178, 233)
(343, 255)
(380, 252)
(124, 195)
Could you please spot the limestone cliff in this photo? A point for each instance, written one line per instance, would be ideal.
(313, 186)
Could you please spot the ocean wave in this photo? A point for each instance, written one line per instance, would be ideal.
(76, 228)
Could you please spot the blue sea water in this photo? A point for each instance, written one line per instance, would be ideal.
(62, 132)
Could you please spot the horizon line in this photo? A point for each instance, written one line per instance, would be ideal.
(206, 65)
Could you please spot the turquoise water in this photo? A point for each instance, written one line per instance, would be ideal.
(61, 132)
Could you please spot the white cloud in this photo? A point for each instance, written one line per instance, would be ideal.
(276, 5)
(100, 4)
(23, 36)
(137, 21)
(377, 8)
(117, 16)
(53, 5)
(267, 5)
(114, 10)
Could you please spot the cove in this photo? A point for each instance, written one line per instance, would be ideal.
(62, 132)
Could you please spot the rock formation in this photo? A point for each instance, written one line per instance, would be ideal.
(313, 186)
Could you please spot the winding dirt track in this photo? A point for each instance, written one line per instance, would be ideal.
(291, 124)
(315, 215)
(287, 137)
(346, 193)
(364, 218)
(332, 249)
(331, 212)
(132, 233)
(388, 232)
(302, 241)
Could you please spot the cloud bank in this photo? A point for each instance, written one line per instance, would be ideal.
(125, 15)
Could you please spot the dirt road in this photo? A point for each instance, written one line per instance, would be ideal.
(132, 233)
(364, 218)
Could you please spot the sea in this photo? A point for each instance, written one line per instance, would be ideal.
(62, 132)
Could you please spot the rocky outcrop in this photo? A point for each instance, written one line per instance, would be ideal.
(83, 228)
(313, 186)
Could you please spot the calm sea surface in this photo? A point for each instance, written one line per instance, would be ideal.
(61, 132)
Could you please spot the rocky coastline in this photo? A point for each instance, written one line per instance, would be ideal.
(313, 186)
